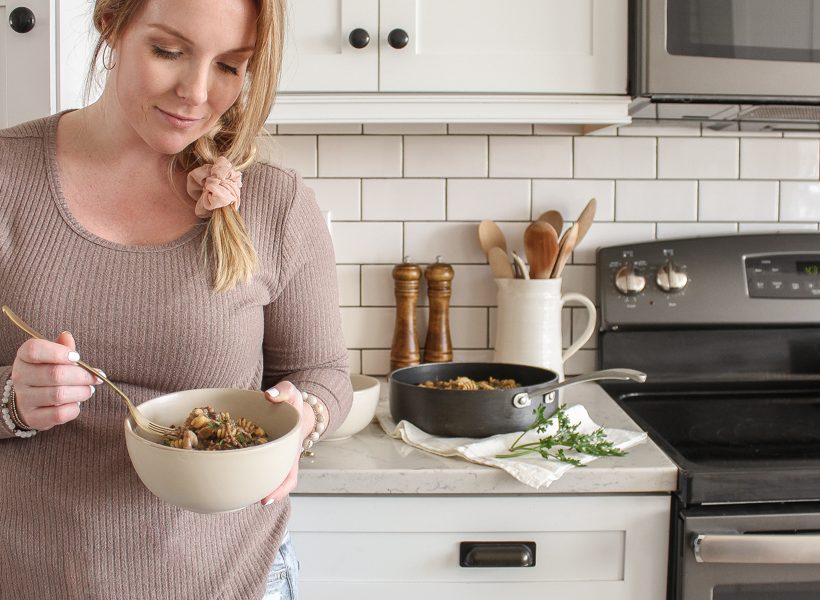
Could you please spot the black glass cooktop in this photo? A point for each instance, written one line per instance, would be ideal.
(731, 446)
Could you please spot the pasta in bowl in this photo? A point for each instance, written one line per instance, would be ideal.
(215, 481)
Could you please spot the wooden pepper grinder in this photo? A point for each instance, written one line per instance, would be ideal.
(405, 349)
(438, 347)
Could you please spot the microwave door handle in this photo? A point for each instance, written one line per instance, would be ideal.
(796, 549)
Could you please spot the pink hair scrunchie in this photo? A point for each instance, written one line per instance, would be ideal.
(214, 186)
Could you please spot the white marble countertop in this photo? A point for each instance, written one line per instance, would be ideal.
(371, 463)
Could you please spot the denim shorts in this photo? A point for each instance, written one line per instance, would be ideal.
(284, 574)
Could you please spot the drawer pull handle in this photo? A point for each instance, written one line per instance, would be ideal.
(497, 554)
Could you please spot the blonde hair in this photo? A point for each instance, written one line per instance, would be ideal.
(226, 240)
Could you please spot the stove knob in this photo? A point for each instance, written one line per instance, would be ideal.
(629, 281)
(671, 278)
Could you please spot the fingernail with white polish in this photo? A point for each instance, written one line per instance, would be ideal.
(73, 356)
(267, 502)
(93, 389)
(272, 392)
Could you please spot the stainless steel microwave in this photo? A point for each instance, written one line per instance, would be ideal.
(729, 51)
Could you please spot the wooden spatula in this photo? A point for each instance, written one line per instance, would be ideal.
(585, 219)
(568, 241)
(554, 218)
(499, 264)
(541, 247)
(490, 236)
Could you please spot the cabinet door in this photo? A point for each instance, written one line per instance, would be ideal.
(318, 54)
(510, 46)
(26, 65)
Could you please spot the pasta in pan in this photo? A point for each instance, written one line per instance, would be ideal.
(465, 383)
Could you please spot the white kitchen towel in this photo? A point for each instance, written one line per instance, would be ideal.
(530, 469)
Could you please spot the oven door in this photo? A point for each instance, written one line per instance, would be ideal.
(730, 49)
(759, 552)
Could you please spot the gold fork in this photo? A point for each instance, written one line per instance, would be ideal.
(142, 422)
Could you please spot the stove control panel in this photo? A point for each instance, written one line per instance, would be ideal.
(712, 281)
(784, 275)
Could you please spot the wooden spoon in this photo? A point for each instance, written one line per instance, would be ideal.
(554, 218)
(501, 267)
(568, 242)
(541, 247)
(585, 219)
(490, 236)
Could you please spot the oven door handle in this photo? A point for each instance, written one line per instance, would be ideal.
(796, 549)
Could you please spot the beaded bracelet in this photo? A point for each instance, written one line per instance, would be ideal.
(10, 416)
(319, 425)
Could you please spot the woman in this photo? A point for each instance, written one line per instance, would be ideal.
(121, 226)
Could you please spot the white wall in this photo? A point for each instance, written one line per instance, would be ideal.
(420, 190)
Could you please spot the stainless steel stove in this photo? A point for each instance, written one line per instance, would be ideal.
(728, 330)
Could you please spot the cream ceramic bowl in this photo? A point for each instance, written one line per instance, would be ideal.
(365, 399)
(220, 480)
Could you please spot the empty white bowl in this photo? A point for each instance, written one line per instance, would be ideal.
(213, 481)
(365, 399)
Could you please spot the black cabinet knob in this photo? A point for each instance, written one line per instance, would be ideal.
(398, 38)
(21, 19)
(359, 38)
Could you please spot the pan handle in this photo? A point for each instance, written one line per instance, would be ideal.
(523, 399)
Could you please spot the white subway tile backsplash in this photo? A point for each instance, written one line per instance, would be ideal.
(376, 362)
(800, 201)
(342, 197)
(445, 156)
(349, 284)
(609, 234)
(420, 190)
(677, 230)
(405, 128)
(368, 327)
(360, 156)
(403, 200)
(615, 157)
(775, 227)
(473, 285)
(479, 199)
(779, 158)
(367, 242)
(530, 156)
(656, 200)
(454, 242)
(378, 285)
(570, 196)
(738, 200)
(697, 158)
(468, 327)
(290, 151)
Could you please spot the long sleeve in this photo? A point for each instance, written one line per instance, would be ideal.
(303, 333)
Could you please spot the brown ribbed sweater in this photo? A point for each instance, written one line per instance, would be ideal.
(75, 521)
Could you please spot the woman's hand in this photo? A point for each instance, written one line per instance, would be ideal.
(48, 384)
(285, 391)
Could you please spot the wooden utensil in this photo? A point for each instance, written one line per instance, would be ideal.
(490, 236)
(541, 247)
(585, 219)
(554, 218)
(568, 241)
(501, 267)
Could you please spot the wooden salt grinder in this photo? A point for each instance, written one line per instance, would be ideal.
(438, 347)
(405, 349)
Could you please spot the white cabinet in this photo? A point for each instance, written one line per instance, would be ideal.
(587, 547)
(27, 67)
(476, 46)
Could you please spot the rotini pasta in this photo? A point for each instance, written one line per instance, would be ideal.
(465, 383)
(205, 429)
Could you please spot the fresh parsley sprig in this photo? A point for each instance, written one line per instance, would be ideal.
(566, 436)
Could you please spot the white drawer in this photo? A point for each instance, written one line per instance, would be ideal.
(585, 546)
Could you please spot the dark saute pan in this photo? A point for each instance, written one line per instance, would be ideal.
(480, 413)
